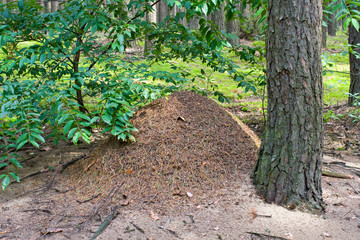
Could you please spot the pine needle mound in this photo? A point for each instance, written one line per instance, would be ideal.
(187, 147)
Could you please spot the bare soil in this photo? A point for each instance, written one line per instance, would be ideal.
(186, 177)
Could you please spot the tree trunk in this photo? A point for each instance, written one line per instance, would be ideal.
(354, 38)
(233, 26)
(147, 47)
(162, 11)
(53, 6)
(324, 33)
(47, 6)
(331, 25)
(288, 170)
(323, 36)
(218, 18)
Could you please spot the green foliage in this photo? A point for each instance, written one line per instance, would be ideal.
(355, 114)
(66, 71)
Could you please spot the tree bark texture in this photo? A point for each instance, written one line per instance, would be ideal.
(233, 27)
(331, 25)
(288, 170)
(162, 11)
(218, 18)
(354, 38)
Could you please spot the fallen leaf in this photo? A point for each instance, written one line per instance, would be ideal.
(181, 118)
(289, 236)
(177, 194)
(189, 194)
(124, 202)
(203, 164)
(52, 230)
(154, 216)
(128, 171)
(4, 232)
(45, 149)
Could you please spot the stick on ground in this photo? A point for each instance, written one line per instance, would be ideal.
(105, 223)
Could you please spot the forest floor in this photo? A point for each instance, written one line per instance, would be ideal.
(186, 177)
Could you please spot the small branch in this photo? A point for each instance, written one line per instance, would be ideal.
(106, 223)
(335, 175)
(88, 200)
(352, 188)
(266, 235)
(138, 228)
(105, 201)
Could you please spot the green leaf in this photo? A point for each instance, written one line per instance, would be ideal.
(22, 144)
(355, 23)
(15, 176)
(22, 61)
(71, 133)
(83, 116)
(21, 5)
(94, 119)
(63, 118)
(42, 58)
(22, 137)
(15, 162)
(38, 136)
(205, 8)
(76, 137)
(34, 143)
(346, 23)
(85, 137)
(259, 12)
(5, 182)
(3, 165)
(121, 39)
(107, 119)
(68, 126)
(33, 59)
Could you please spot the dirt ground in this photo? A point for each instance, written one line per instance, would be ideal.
(50, 203)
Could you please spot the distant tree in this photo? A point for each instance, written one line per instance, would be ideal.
(354, 59)
(288, 170)
(348, 12)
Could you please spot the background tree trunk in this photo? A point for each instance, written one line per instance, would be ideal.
(354, 38)
(53, 5)
(324, 33)
(150, 17)
(233, 27)
(288, 170)
(323, 36)
(162, 11)
(47, 6)
(331, 25)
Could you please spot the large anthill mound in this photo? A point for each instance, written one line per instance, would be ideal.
(187, 147)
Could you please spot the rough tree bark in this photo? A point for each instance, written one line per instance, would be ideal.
(288, 170)
(354, 38)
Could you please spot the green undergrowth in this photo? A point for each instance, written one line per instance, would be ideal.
(336, 68)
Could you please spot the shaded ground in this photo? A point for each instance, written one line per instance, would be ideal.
(187, 181)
